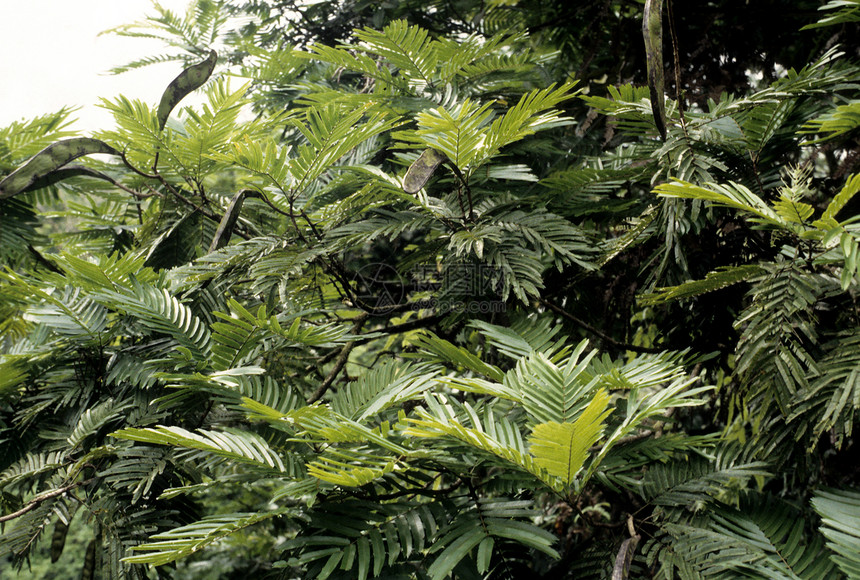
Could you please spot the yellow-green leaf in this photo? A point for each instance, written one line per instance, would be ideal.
(562, 448)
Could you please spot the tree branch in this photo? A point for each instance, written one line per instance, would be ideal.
(33, 503)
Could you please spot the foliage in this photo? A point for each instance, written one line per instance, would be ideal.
(412, 302)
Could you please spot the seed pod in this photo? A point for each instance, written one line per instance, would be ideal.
(621, 569)
(89, 570)
(422, 169)
(228, 222)
(188, 80)
(58, 540)
(652, 31)
(65, 173)
(48, 160)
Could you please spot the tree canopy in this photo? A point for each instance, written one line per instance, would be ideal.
(444, 289)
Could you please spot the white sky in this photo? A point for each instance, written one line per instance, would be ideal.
(51, 55)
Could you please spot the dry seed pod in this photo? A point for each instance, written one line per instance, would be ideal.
(188, 80)
(58, 540)
(89, 570)
(652, 31)
(47, 161)
(422, 169)
(228, 222)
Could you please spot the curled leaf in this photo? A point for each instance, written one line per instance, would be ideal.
(188, 80)
(652, 31)
(422, 169)
(41, 165)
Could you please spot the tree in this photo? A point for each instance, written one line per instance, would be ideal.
(342, 320)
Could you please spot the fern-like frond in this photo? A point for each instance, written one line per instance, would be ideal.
(840, 523)
(833, 397)
(136, 469)
(842, 120)
(494, 435)
(732, 195)
(182, 541)
(382, 387)
(409, 48)
(492, 518)
(163, 313)
(777, 333)
(689, 484)
(242, 446)
(366, 538)
(524, 337)
(554, 393)
(332, 133)
(438, 349)
(763, 539)
(716, 280)
(208, 132)
(841, 12)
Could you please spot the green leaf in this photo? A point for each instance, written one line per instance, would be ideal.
(840, 523)
(242, 446)
(848, 191)
(185, 540)
(485, 554)
(846, 12)
(840, 121)
(453, 554)
(561, 448)
(732, 195)
(720, 278)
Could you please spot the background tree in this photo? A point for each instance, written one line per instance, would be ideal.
(402, 306)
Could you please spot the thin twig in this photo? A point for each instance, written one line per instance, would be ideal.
(624, 440)
(581, 323)
(677, 63)
(135, 169)
(43, 260)
(340, 362)
(462, 178)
